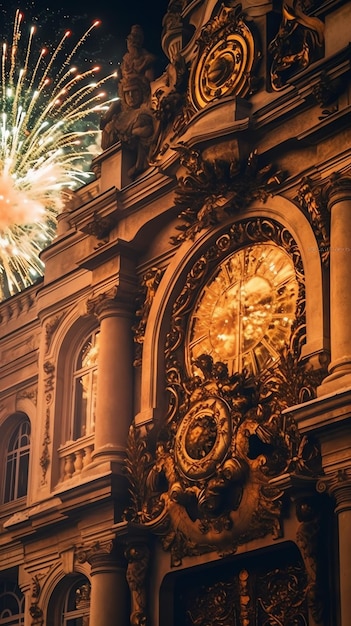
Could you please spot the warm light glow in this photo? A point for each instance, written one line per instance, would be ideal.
(246, 310)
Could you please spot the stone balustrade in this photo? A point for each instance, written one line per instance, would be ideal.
(75, 456)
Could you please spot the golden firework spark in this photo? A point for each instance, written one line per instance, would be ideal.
(44, 148)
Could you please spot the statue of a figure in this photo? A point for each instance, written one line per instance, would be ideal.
(295, 45)
(130, 119)
(137, 60)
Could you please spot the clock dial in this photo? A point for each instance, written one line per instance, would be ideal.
(244, 314)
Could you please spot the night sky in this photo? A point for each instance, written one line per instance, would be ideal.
(107, 45)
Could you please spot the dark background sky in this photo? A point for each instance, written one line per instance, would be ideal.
(107, 44)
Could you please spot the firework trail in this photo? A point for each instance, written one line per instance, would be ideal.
(43, 146)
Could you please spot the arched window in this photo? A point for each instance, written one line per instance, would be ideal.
(70, 602)
(11, 604)
(85, 378)
(77, 604)
(17, 462)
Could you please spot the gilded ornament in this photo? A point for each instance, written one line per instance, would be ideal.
(227, 57)
(208, 477)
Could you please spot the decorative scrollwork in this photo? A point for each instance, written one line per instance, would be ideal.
(282, 597)
(215, 188)
(313, 199)
(266, 592)
(150, 283)
(228, 55)
(207, 477)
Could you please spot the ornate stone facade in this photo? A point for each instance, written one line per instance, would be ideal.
(183, 371)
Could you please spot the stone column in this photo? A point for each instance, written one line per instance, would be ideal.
(109, 600)
(340, 292)
(114, 398)
(340, 487)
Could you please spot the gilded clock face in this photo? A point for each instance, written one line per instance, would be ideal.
(244, 314)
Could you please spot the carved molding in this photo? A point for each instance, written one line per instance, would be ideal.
(326, 93)
(44, 461)
(35, 611)
(338, 485)
(95, 306)
(97, 553)
(50, 328)
(314, 200)
(317, 198)
(30, 393)
(100, 227)
(115, 301)
(149, 285)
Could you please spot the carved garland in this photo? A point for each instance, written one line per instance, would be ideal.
(44, 461)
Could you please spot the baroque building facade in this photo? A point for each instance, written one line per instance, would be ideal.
(176, 391)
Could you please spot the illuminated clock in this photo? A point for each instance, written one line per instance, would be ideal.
(245, 312)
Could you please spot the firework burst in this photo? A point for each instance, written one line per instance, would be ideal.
(44, 148)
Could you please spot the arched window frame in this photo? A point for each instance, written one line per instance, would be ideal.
(16, 458)
(69, 604)
(84, 387)
(74, 445)
(11, 604)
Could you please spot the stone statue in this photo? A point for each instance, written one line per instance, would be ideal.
(296, 44)
(130, 119)
(137, 60)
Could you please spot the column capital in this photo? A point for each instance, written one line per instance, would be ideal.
(338, 485)
(105, 556)
(112, 303)
(338, 189)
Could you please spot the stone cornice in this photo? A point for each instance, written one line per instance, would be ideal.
(322, 413)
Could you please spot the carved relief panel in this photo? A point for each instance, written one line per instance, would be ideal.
(267, 589)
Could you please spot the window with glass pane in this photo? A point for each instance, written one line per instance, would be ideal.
(85, 378)
(17, 463)
(77, 604)
(11, 604)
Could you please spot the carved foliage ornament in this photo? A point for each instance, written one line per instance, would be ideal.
(314, 200)
(269, 591)
(227, 54)
(203, 478)
(150, 283)
(44, 461)
(213, 188)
